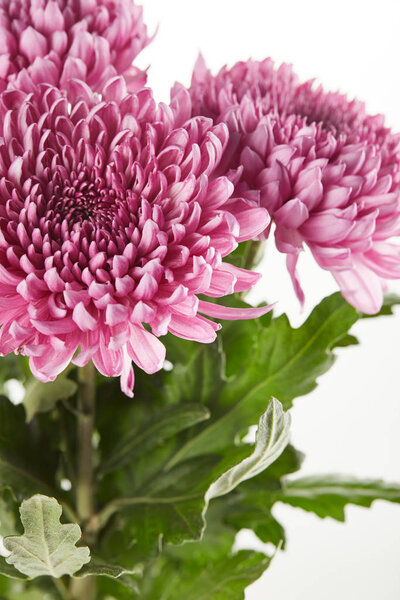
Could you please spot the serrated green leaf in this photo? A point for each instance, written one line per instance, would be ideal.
(47, 547)
(160, 491)
(169, 422)
(345, 341)
(171, 509)
(224, 579)
(251, 511)
(175, 502)
(179, 569)
(286, 364)
(327, 496)
(41, 397)
(271, 439)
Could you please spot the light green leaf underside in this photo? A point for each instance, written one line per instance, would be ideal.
(271, 439)
(47, 547)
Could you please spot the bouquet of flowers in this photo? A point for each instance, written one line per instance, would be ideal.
(129, 234)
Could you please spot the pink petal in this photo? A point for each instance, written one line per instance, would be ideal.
(326, 228)
(50, 364)
(32, 44)
(291, 263)
(244, 279)
(361, 287)
(197, 329)
(292, 214)
(116, 313)
(127, 377)
(232, 314)
(83, 318)
(146, 350)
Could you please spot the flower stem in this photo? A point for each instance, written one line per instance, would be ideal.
(84, 588)
(253, 254)
(62, 589)
(86, 406)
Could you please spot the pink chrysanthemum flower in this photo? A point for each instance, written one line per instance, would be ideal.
(327, 172)
(52, 41)
(111, 226)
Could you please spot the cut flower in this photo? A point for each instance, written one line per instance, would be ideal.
(111, 224)
(326, 171)
(52, 41)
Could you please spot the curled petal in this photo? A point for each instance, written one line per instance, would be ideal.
(232, 314)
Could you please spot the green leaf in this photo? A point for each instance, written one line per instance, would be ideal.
(198, 371)
(271, 439)
(223, 579)
(345, 341)
(47, 547)
(174, 507)
(179, 570)
(240, 340)
(252, 511)
(9, 521)
(286, 364)
(9, 571)
(26, 463)
(250, 507)
(156, 496)
(389, 302)
(327, 496)
(169, 422)
(13, 366)
(41, 397)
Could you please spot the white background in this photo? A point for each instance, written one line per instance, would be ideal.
(351, 423)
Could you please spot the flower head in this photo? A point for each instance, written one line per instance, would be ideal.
(110, 226)
(52, 41)
(327, 172)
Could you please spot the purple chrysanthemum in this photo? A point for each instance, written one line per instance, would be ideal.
(52, 41)
(110, 224)
(327, 172)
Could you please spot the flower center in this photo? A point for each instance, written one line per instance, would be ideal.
(84, 199)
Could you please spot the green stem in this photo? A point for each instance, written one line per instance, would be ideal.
(84, 588)
(253, 254)
(86, 406)
(62, 589)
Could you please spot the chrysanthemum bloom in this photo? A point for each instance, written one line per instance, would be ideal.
(327, 172)
(52, 41)
(110, 227)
